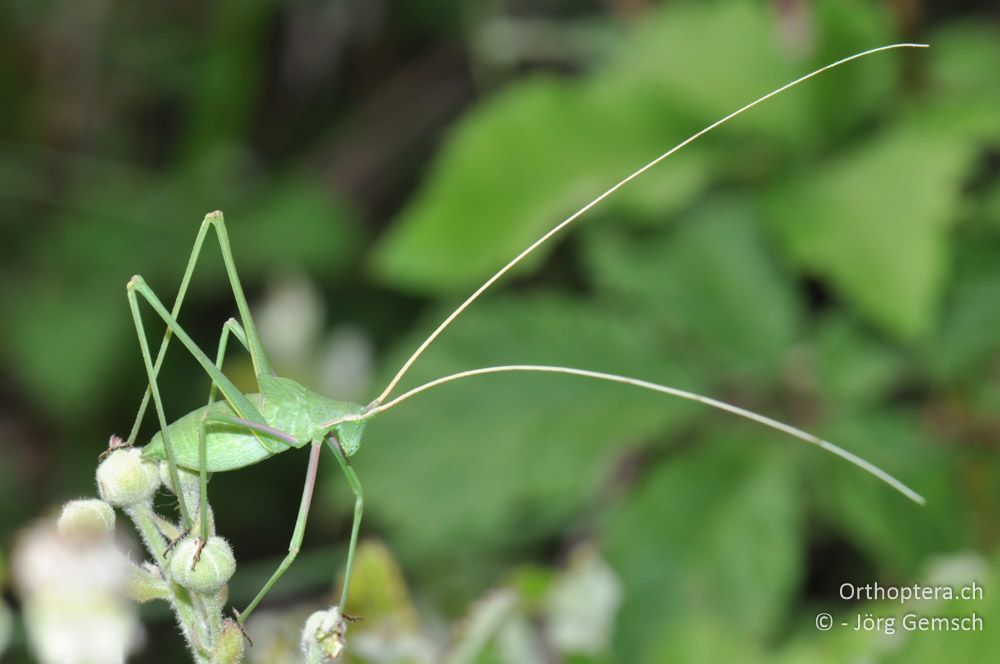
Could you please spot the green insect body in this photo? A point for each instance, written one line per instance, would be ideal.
(286, 406)
(240, 429)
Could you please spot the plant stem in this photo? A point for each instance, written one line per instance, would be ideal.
(197, 631)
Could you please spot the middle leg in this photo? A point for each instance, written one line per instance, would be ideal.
(359, 506)
(298, 532)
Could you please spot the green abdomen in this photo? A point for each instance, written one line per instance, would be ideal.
(228, 446)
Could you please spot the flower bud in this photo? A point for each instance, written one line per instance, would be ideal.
(144, 583)
(204, 573)
(125, 480)
(323, 636)
(229, 649)
(86, 519)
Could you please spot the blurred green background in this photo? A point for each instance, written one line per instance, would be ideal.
(831, 259)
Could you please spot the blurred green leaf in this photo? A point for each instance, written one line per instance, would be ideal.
(710, 278)
(874, 221)
(701, 636)
(381, 594)
(708, 59)
(60, 343)
(854, 370)
(296, 225)
(845, 98)
(962, 65)
(231, 73)
(714, 529)
(511, 171)
(892, 531)
(969, 334)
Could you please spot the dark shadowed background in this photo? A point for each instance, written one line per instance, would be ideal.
(831, 259)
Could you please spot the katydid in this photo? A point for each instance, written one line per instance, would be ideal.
(243, 429)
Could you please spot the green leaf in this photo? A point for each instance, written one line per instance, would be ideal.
(61, 342)
(232, 73)
(874, 222)
(716, 529)
(862, 508)
(711, 279)
(382, 591)
(966, 89)
(843, 99)
(964, 53)
(296, 225)
(708, 59)
(701, 636)
(512, 170)
(969, 335)
(853, 369)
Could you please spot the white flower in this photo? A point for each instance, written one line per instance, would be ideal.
(73, 608)
(323, 636)
(582, 605)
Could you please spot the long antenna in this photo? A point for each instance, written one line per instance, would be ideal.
(866, 466)
(576, 215)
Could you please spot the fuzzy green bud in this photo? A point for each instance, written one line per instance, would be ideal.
(229, 649)
(144, 583)
(125, 480)
(323, 636)
(87, 518)
(205, 571)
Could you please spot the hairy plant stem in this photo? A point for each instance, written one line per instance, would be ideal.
(200, 621)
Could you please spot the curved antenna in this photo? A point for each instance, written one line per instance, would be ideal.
(573, 217)
(864, 465)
